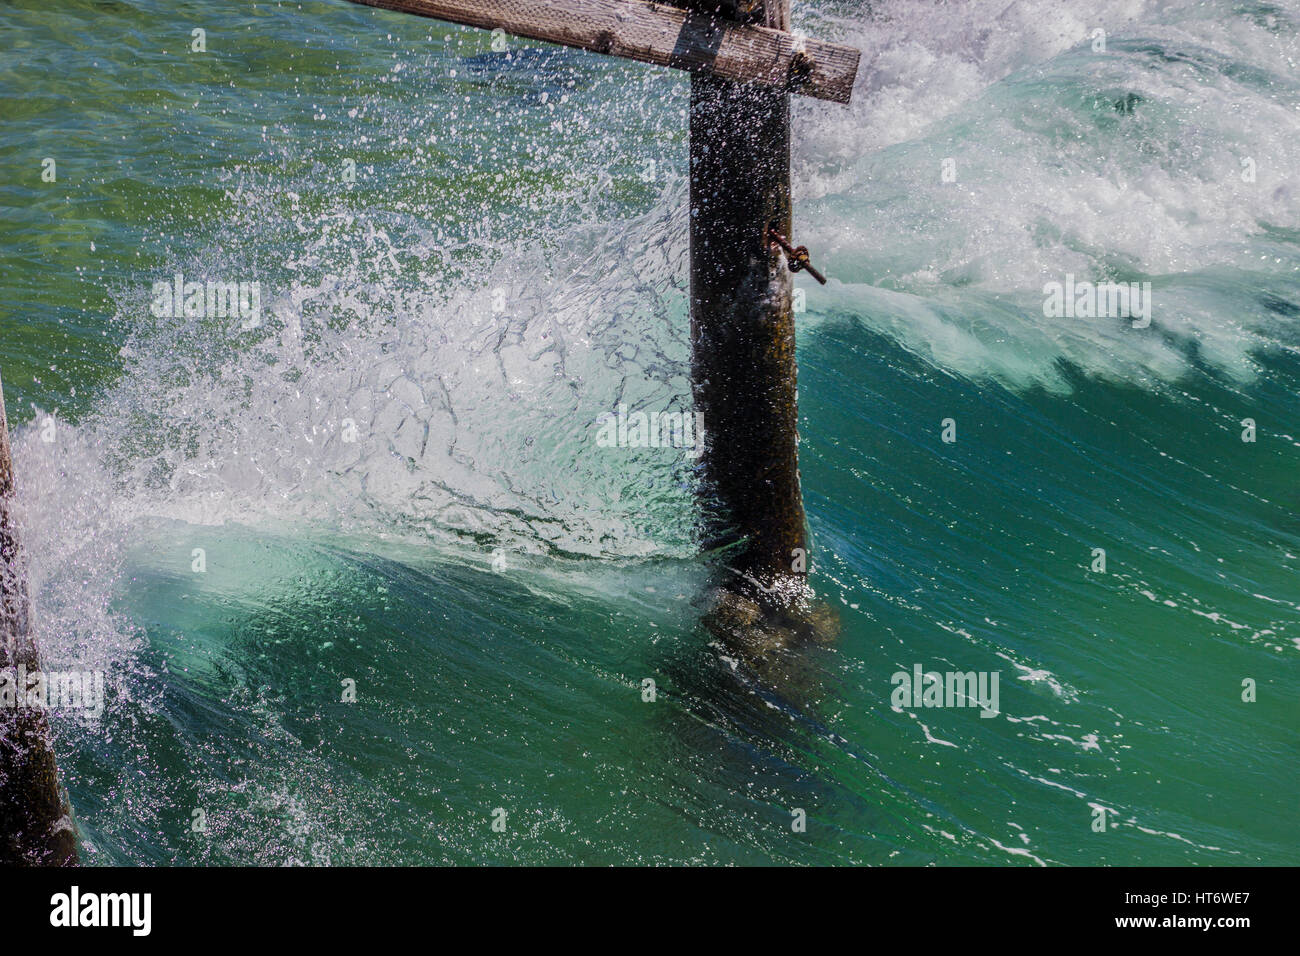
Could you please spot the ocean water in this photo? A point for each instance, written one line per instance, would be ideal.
(466, 256)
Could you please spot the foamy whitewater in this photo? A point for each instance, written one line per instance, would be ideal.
(394, 477)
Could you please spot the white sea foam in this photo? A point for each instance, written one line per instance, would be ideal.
(1053, 176)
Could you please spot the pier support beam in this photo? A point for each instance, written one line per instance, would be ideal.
(744, 63)
(718, 37)
(35, 824)
(742, 327)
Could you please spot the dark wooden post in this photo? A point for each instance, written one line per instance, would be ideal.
(744, 63)
(742, 327)
(35, 823)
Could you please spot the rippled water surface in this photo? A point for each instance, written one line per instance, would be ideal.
(508, 264)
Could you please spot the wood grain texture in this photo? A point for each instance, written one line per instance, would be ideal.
(699, 42)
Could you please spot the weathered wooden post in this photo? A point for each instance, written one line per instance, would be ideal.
(742, 326)
(744, 63)
(35, 823)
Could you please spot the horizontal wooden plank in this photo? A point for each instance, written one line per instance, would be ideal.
(663, 35)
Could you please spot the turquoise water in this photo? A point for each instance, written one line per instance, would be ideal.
(556, 178)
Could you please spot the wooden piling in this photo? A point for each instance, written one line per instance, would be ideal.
(35, 822)
(742, 327)
(744, 64)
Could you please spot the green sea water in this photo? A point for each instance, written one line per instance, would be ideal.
(467, 255)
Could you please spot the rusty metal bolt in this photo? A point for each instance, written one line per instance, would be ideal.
(801, 68)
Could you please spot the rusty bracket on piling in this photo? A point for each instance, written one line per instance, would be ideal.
(796, 256)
